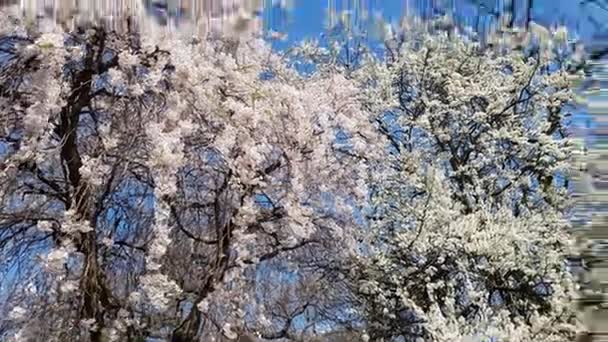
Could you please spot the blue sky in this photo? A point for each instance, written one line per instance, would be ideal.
(307, 18)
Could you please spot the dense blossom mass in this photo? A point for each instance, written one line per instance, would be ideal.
(206, 189)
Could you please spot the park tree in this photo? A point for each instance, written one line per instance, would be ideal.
(469, 234)
(199, 189)
(146, 179)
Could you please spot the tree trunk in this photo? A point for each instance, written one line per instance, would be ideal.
(95, 295)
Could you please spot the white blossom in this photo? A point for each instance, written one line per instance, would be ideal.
(229, 332)
(17, 313)
(126, 59)
(158, 289)
(50, 40)
(55, 260)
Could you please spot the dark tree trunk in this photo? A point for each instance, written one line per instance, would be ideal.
(96, 296)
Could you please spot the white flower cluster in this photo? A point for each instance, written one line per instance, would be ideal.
(55, 260)
(161, 229)
(17, 313)
(158, 290)
(50, 40)
(117, 77)
(73, 225)
(126, 59)
(94, 170)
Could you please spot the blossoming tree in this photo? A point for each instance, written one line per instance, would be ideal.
(144, 180)
(151, 187)
(469, 238)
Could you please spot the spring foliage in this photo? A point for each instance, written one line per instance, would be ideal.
(147, 180)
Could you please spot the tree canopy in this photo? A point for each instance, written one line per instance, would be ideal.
(198, 189)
